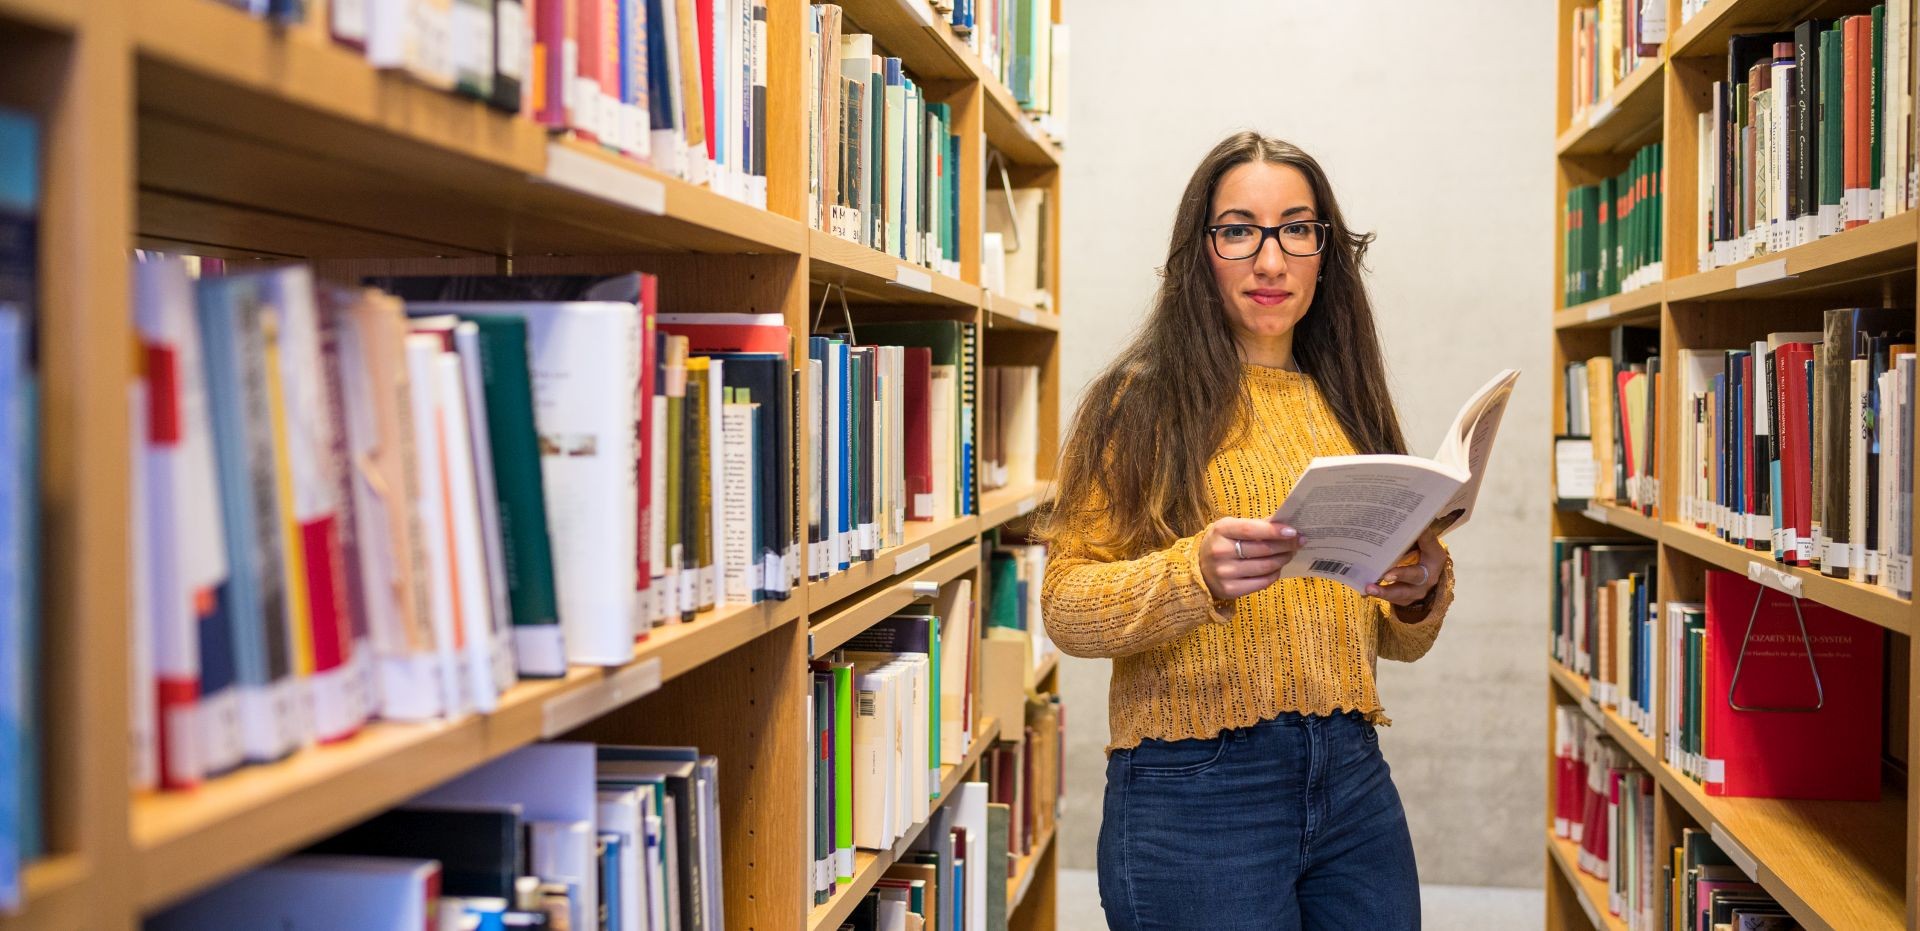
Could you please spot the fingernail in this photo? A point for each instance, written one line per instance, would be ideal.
(1288, 533)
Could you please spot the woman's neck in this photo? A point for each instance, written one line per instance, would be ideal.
(1274, 351)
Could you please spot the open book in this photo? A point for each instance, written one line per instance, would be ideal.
(1360, 514)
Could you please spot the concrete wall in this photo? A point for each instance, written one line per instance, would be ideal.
(1435, 122)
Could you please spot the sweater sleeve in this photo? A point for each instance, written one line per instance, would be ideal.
(1102, 607)
(1405, 642)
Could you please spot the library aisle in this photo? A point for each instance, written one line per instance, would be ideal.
(495, 464)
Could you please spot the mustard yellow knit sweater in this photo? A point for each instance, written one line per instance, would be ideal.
(1185, 665)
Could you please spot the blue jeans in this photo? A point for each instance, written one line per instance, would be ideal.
(1292, 823)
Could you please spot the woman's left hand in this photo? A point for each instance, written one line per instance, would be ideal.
(1409, 583)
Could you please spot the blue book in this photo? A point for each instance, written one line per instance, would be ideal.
(845, 452)
(15, 486)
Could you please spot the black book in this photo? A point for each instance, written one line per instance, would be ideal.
(1743, 52)
(478, 847)
(767, 379)
(1805, 150)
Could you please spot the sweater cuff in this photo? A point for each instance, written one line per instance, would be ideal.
(1194, 586)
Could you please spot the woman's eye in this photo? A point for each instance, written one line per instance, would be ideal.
(1297, 230)
(1233, 233)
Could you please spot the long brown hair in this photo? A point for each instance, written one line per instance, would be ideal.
(1149, 424)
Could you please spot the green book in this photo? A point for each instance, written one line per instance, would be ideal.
(697, 504)
(1833, 108)
(843, 770)
(999, 826)
(514, 445)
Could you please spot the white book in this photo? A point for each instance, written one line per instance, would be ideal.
(473, 611)
(1401, 496)
(816, 466)
(585, 358)
(956, 657)
(142, 703)
(873, 731)
(897, 447)
(315, 893)
(970, 817)
(942, 401)
(435, 522)
(1020, 423)
(619, 813)
(564, 852)
(737, 522)
(466, 340)
(835, 443)
(1863, 569)
(662, 582)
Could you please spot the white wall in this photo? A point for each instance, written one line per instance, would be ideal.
(1435, 123)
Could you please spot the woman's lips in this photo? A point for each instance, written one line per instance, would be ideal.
(1268, 297)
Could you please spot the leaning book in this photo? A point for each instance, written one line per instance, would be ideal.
(1360, 514)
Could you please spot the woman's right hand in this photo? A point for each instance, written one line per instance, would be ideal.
(1265, 548)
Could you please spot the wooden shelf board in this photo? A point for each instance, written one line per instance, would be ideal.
(1707, 32)
(936, 536)
(870, 865)
(1833, 864)
(1048, 664)
(1870, 602)
(911, 31)
(874, 275)
(61, 15)
(1625, 518)
(1004, 504)
(53, 894)
(235, 111)
(1628, 118)
(1022, 879)
(827, 634)
(1636, 306)
(1010, 132)
(186, 840)
(1592, 891)
(1868, 251)
(1007, 314)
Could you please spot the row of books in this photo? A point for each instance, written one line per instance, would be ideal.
(952, 878)
(1010, 426)
(1609, 40)
(1020, 44)
(1605, 601)
(883, 159)
(1028, 775)
(1810, 134)
(20, 653)
(1013, 253)
(1604, 804)
(1802, 720)
(680, 85)
(1614, 398)
(1613, 238)
(890, 708)
(1800, 445)
(890, 437)
(554, 835)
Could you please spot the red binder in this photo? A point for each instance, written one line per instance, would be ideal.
(1832, 753)
(919, 416)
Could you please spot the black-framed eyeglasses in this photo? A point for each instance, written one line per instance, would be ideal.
(1299, 238)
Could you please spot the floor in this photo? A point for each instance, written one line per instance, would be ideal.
(1443, 908)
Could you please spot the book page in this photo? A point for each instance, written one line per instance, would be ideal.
(1360, 514)
(1469, 443)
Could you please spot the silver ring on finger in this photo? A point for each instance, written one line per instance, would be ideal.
(1426, 575)
(1237, 551)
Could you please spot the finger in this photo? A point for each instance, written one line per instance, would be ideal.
(1248, 528)
(1261, 549)
(1251, 568)
(1240, 587)
(1416, 576)
(1401, 595)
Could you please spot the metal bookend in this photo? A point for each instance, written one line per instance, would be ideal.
(1819, 691)
(996, 160)
(846, 312)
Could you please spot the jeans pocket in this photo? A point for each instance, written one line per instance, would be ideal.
(1175, 758)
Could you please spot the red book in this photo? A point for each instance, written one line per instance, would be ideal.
(709, 333)
(703, 11)
(1831, 753)
(649, 360)
(1853, 44)
(554, 27)
(918, 398)
(1796, 465)
(590, 43)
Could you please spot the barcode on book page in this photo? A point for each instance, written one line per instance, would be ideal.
(866, 704)
(1333, 566)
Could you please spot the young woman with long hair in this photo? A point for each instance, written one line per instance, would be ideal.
(1245, 786)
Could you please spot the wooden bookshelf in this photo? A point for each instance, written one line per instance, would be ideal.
(1004, 504)
(1024, 871)
(1626, 120)
(1592, 892)
(870, 865)
(831, 630)
(186, 125)
(1833, 865)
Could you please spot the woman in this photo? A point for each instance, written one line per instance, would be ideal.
(1245, 786)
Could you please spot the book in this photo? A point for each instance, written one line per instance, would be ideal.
(1404, 496)
(479, 847)
(317, 891)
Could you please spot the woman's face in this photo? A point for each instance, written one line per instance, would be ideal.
(1269, 291)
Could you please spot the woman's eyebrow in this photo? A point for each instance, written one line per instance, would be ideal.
(1303, 208)
(1232, 210)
